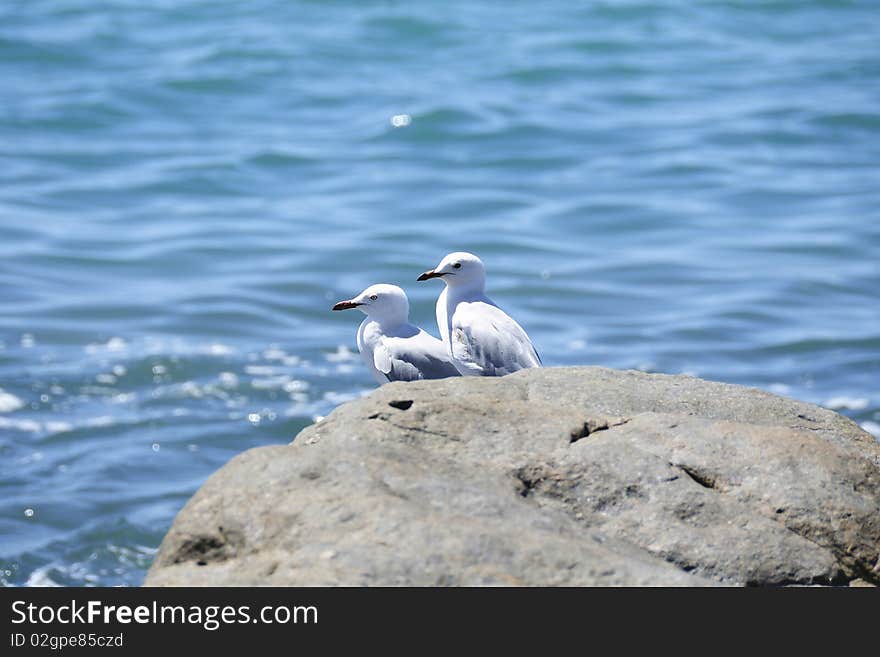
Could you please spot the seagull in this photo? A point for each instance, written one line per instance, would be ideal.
(482, 339)
(392, 348)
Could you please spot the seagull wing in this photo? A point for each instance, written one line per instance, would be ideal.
(382, 358)
(486, 341)
(420, 356)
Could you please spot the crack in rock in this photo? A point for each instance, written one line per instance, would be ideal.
(593, 425)
(701, 478)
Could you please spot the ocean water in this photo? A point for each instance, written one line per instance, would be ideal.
(186, 187)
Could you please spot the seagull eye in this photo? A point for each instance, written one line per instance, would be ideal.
(457, 265)
(373, 297)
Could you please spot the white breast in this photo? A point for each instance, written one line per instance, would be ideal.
(369, 333)
(442, 317)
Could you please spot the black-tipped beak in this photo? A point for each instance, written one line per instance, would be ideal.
(345, 305)
(429, 274)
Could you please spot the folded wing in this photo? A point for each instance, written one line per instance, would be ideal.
(410, 359)
(487, 342)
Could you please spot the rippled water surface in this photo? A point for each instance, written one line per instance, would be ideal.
(187, 186)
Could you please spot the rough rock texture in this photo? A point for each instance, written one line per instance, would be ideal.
(556, 476)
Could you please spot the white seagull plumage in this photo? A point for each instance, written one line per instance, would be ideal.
(482, 339)
(392, 348)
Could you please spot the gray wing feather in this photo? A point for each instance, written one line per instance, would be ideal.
(488, 342)
(418, 357)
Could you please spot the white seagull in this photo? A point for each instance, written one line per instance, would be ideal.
(482, 339)
(392, 348)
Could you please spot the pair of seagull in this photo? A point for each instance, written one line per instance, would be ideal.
(477, 337)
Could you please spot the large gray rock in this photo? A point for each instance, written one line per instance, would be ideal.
(568, 476)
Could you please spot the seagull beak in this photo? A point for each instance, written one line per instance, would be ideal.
(429, 274)
(345, 305)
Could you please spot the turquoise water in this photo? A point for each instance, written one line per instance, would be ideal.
(186, 189)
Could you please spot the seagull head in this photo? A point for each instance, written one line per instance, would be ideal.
(459, 269)
(382, 302)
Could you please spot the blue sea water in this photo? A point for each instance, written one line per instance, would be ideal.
(186, 187)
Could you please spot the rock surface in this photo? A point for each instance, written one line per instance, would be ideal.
(555, 476)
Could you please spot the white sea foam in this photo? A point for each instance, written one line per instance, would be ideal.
(342, 354)
(779, 388)
(40, 577)
(849, 403)
(114, 344)
(337, 398)
(190, 389)
(259, 370)
(296, 386)
(9, 402)
(27, 426)
(58, 427)
(279, 355)
(33, 457)
(270, 383)
(304, 406)
(49, 427)
(872, 428)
